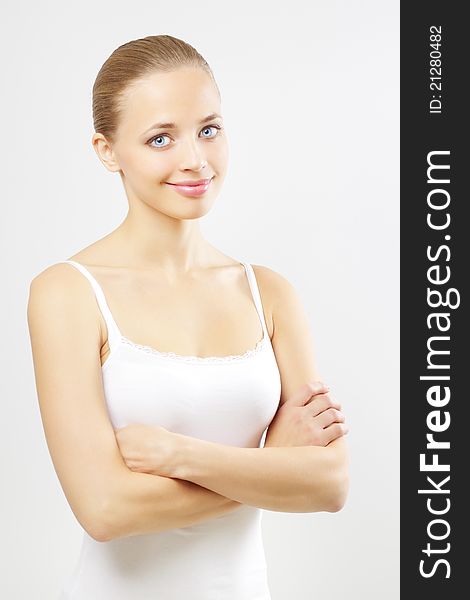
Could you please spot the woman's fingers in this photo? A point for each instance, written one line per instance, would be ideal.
(320, 403)
(335, 431)
(329, 416)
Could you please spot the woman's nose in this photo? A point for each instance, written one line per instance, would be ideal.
(192, 157)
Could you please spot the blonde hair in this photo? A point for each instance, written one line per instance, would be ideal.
(129, 63)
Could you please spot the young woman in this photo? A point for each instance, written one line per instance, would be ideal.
(161, 363)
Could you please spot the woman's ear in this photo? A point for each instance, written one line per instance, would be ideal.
(105, 152)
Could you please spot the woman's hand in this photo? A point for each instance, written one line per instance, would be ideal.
(149, 449)
(309, 418)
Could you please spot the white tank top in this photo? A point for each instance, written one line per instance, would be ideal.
(225, 399)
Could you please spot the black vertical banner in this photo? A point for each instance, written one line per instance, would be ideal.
(434, 262)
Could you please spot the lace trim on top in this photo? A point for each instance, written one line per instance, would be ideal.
(198, 359)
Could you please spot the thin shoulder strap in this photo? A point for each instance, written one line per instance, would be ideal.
(256, 295)
(114, 335)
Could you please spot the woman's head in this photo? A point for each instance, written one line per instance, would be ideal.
(160, 80)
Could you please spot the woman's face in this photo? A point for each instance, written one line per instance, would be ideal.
(152, 156)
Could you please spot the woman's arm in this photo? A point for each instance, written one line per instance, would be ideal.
(144, 503)
(107, 498)
(295, 479)
(300, 470)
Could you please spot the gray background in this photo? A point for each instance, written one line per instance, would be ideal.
(310, 97)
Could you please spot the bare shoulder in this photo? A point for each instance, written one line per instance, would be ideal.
(270, 277)
(55, 276)
(274, 287)
(61, 288)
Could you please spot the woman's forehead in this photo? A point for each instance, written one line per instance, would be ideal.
(177, 97)
(178, 84)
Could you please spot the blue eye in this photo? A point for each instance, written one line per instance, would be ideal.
(164, 135)
(161, 135)
(211, 127)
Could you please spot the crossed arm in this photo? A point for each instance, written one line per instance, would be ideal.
(145, 503)
(287, 479)
(205, 480)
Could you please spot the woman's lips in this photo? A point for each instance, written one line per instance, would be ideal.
(192, 190)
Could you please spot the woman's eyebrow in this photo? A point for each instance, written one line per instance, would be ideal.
(174, 126)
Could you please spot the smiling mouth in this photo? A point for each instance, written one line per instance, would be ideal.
(190, 183)
(192, 189)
